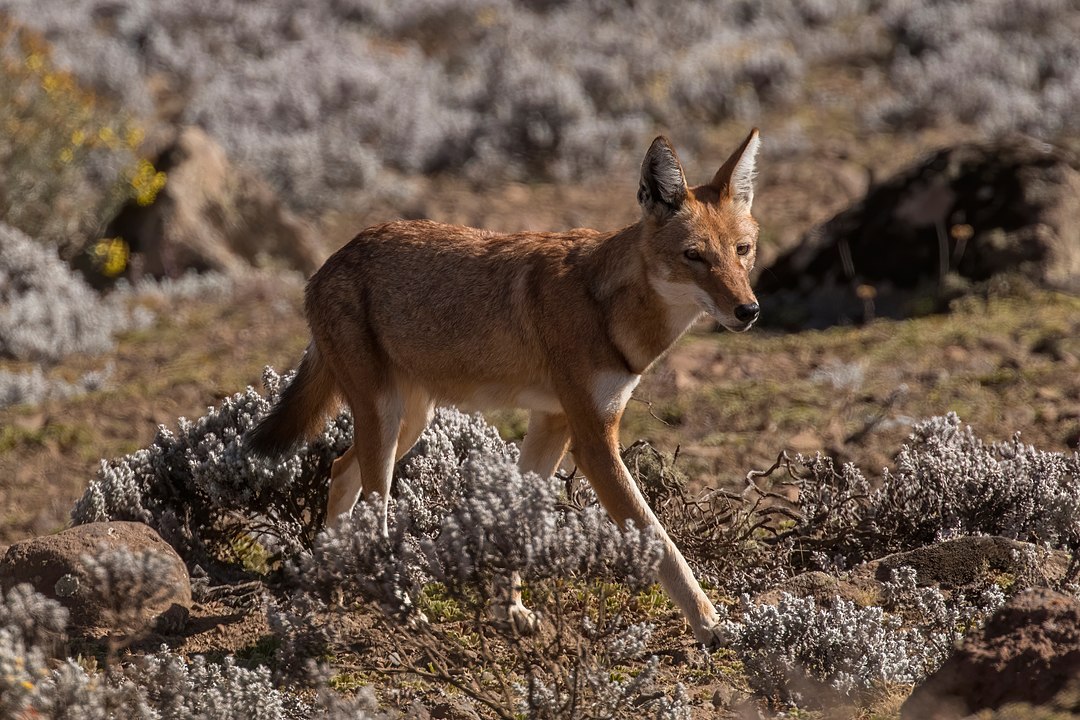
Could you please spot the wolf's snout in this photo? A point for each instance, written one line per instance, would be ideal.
(747, 313)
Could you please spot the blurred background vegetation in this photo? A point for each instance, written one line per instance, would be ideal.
(326, 98)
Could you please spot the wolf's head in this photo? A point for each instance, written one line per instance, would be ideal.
(700, 243)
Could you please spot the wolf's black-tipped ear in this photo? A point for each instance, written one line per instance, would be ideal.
(735, 178)
(663, 185)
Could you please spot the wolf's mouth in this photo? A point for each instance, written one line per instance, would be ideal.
(728, 321)
(738, 327)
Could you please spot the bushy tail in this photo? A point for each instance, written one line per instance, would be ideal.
(297, 411)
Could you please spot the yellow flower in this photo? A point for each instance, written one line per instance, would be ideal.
(34, 61)
(51, 82)
(112, 255)
(147, 182)
(107, 136)
(78, 138)
(66, 156)
(27, 684)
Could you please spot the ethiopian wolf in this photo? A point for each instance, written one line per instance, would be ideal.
(414, 314)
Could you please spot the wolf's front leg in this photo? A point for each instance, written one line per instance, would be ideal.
(595, 431)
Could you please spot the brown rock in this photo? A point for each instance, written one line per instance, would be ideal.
(825, 588)
(723, 696)
(1005, 206)
(963, 561)
(54, 566)
(1029, 652)
(949, 565)
(211, 215)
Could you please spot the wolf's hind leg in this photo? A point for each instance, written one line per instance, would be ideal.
(377, 423)
(344, 484)
(346, 481)
(541, 452)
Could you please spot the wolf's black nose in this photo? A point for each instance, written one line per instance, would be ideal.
(748, 312)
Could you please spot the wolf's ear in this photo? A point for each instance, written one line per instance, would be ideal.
(663, 185)
(735, 178)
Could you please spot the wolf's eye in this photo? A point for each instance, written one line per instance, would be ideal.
(693, 255)
(743, 248)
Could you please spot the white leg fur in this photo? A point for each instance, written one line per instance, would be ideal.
(379, 450)
(512, 612)
(419, 409)
(346, 483)
(596, 450)
(674, 573)
(345, 487)
(387, 453)
(545, 444)
(612, 390)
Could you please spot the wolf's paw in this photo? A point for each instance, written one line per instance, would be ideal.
(713, 635)
(516, 617)
(524, 620)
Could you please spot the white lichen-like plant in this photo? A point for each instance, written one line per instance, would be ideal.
(47, 311)
(462, 519)
(798, 651)
(473, 521)
(334, 93)
(948, 482)
(465, 518)
(843, 647)
(187, 480)
(349, 92)
(33, 386)
(36, 680)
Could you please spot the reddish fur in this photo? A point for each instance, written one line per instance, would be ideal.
(411, 314)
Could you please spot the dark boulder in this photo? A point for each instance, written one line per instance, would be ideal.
(964, 215)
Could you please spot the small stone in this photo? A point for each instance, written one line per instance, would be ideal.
(723, 696)
(67, 585)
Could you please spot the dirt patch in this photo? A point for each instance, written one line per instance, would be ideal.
(730, 402)
(197, 353)
(219, 627)
(1029, 652)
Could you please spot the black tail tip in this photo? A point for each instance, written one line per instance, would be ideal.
(263, 440)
